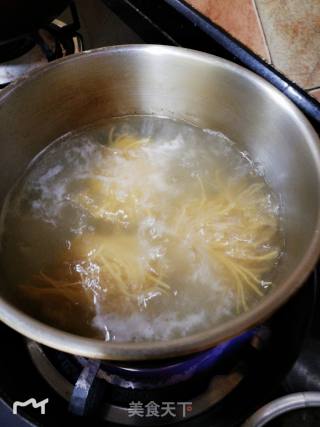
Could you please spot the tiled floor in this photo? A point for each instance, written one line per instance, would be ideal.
(239, 17)
(315, 93)
(285, 33)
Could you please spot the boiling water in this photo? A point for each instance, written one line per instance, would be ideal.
(140, 228)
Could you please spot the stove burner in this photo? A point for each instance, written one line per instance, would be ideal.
(116, 404)
(200, 380)
(22, 55)
(155, 375)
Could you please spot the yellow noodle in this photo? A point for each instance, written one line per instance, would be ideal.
(208, 215)
(122, 272)
(228, 225)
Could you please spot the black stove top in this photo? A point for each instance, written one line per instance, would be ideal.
(226, 393)
(55, 40)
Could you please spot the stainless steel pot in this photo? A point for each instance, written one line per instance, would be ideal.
(203, 89)
(283, 405)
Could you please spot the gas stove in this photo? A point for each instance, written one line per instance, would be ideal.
(20, 56)
(218, 387)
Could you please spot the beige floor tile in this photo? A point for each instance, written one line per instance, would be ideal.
(292, 29)
(237, 17)
(315, 93)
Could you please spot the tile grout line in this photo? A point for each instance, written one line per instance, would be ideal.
(255, 7)
(312, 88)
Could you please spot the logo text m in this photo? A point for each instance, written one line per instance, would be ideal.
(32, 402)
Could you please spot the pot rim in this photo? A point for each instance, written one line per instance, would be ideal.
(99, 349)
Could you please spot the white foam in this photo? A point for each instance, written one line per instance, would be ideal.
(140, 327)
